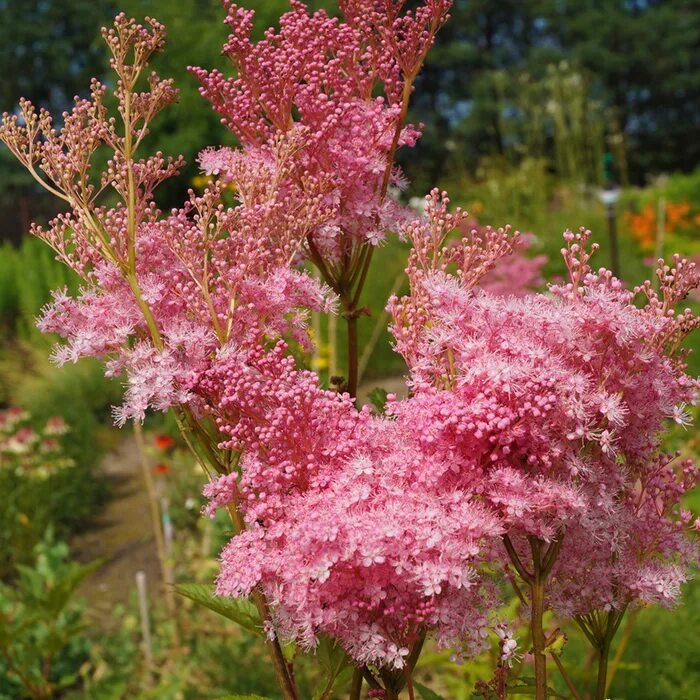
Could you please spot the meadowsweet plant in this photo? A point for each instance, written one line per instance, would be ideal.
(529, 450)
(553, 407)
(339, 91)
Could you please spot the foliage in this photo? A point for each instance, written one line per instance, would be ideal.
(649, 104)
(47, 50)
(651, 667)
(241, 612)
(666, 214)
(195, 32)
(41, 625)
(79, 394)
(28, 274)
(215, 659)
(68, 498)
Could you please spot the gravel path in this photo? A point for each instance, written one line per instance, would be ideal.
(121, 534)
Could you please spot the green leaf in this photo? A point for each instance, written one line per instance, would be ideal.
(67, 680)
(377, 398)
(557, 645)
(333, 661)
(59, 596)
(343, 678)
(242, 612)
(289, 650)
(426, 693)
(330, 655)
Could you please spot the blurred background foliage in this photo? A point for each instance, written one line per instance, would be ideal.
(529, 108)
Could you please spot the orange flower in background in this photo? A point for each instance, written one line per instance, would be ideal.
(164, 442)
(677, 216)
(644, 225)
(161, 469)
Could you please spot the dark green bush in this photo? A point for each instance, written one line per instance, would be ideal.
(42, 626)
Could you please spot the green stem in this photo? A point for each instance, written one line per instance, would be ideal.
(515, 560)
(35, 691)
(353, 363)
(145, 310)
(366, 262)
(409, 684)
(538, 638)
(601, 685)
(130, 187)
(567, 678)
(614, 618)
(284, 678)
(542, 563)
(356, 687)
(586, 631)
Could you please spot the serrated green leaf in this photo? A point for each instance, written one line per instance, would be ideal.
(242, 612)
(426, 693)
(330, 655)
(343, 678)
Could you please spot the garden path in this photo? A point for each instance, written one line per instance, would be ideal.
(121, 534)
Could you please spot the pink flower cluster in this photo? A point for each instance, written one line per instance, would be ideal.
(165, 293)
(210, 276)
(554, 406)
(316, 81)
(346, 533)
(536, 416)
(351, 530)
(532, 417)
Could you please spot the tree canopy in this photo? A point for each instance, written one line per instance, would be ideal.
(639, 58)
(486, 90)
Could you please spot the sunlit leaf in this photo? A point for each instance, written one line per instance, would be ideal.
(242, 612)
